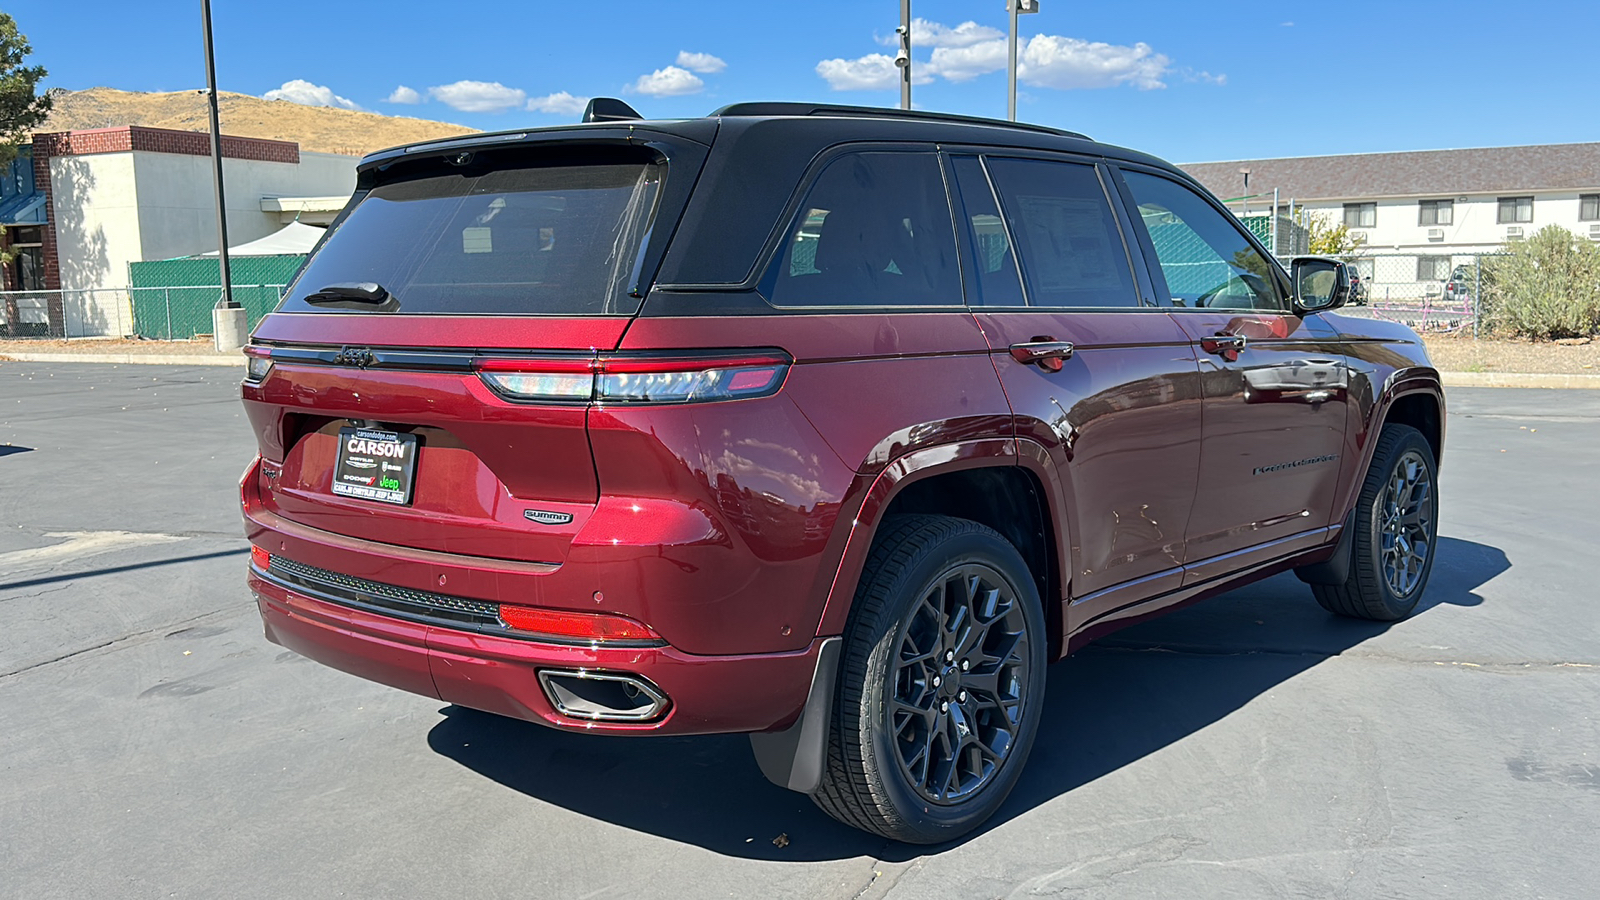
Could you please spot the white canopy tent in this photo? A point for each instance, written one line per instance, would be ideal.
(295, 238)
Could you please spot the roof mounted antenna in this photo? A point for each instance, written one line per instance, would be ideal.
(609, 109)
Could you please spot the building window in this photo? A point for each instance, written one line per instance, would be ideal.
(1515, 210)
(1589, 207)
(1433, 268)
(1437, 212)
(1360, 215)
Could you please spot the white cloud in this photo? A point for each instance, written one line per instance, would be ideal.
(1069, 63)
(969, 50)
(704, 63)
(967, 63)
(1220, 80)
(403, 94)
(307, 94)
(668, 82)
(478, 96)
(559, 103)
(873, 72)
(933, 34)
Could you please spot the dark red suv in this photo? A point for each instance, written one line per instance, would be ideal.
(827, 424)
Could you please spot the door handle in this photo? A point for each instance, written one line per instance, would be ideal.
(1226, 346)
(1044, 351)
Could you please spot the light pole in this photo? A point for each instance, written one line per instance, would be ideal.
(228, 318)
(1016, 8)
(903, 58)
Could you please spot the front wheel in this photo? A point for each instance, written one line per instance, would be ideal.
(1395, 532)
(941, 683)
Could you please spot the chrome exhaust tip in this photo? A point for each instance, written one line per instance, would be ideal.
(602, 696)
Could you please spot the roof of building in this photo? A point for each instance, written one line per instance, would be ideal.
(1443, 173)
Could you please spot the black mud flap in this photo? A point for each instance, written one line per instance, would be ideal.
(794, 758)
(1335, 570)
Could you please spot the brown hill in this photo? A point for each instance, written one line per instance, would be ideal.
(314, 128)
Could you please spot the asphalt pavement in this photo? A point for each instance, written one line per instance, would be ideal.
(154, 744)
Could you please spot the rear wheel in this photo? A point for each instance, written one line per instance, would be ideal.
(941, 682)
(1395, 522)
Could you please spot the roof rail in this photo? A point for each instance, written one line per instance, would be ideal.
(831, 109)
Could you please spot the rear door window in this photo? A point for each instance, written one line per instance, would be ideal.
(874, 230)
(1066, 233)
(551, 240)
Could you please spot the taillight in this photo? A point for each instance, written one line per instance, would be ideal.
(637, 379)
(595, 627)
(260, 558)
(560, 380)
(257, 363)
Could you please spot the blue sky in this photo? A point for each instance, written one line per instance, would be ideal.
(1195, 81)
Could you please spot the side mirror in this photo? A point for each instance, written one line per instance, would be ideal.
(1319, 284)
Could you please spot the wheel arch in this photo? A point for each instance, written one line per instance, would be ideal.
(986, 481)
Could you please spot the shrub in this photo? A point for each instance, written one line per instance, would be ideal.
(1545, 287)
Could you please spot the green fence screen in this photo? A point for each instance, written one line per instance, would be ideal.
(173, 298)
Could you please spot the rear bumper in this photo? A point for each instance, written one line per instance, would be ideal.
(706, 694)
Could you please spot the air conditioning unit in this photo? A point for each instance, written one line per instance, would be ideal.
(1594, 232)
(1513, 232)
(1435, 234)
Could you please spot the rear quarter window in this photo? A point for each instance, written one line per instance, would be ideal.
(540, 240)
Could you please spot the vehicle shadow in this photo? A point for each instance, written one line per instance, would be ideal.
(708, 792)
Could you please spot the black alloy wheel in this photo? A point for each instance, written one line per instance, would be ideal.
(959, 683)
(1394, 531)
(941, 682)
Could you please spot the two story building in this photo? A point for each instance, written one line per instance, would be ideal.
(1423, 213)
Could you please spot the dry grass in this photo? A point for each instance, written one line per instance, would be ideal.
(109, 345)
(1457, 353)
(314, 128)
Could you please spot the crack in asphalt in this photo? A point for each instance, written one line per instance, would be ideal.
(127, 639)
(1488, 665)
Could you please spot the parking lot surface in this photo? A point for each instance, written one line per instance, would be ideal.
(153, 744)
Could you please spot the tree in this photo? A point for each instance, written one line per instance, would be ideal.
(1330, 237)
(21, 105)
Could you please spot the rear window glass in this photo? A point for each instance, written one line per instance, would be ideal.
(555, 240)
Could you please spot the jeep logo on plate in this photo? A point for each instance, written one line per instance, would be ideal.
(545, 517)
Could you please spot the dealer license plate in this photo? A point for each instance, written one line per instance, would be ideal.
(375, 465)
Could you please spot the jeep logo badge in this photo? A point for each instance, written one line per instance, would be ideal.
(546, 517)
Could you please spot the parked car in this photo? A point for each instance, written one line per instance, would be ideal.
(831, 425)
(1358, 285)
(1462, 281)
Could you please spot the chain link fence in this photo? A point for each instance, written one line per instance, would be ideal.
(1435, 293)
(157, 313)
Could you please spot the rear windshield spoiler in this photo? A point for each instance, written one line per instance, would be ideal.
(690, 132)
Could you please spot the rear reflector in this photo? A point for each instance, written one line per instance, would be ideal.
(260, 558)
(569, 626)
(647, 380)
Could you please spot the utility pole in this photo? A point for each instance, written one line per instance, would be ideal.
(1015, 8)
(228, 317)
(903, 58)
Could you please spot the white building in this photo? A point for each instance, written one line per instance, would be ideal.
(113, 196)
(1421, 213)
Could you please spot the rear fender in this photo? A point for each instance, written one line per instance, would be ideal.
(917, 466)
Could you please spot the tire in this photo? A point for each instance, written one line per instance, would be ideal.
(1396, 528)
(903, 695)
